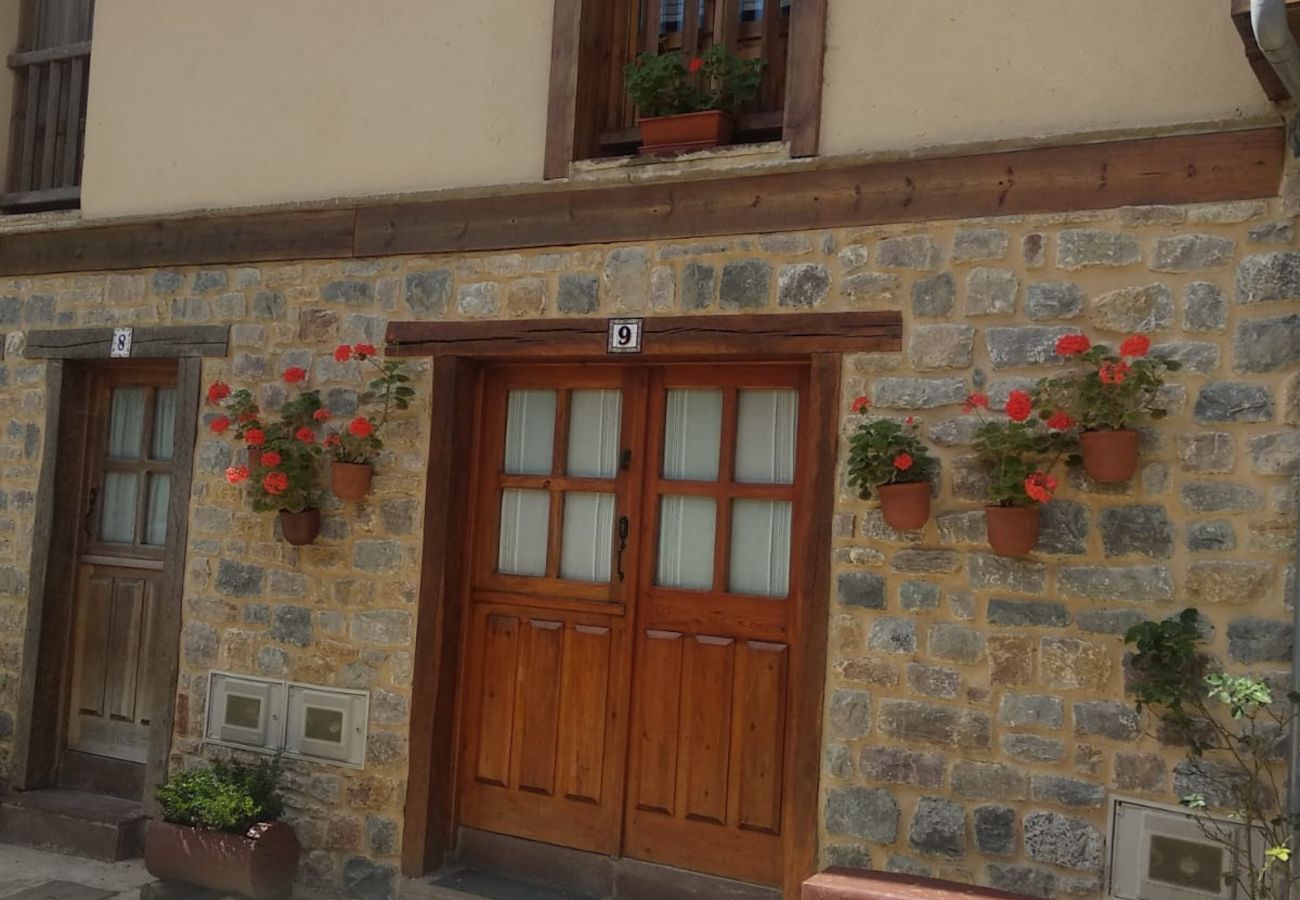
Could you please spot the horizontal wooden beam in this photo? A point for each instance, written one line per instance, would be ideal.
(147, 342)
(1238, 165)
(789, 334)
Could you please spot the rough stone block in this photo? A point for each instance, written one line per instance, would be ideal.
(1190, 252)
(1018, 346)
(1266, 345)
(991, 292)
(974, 780)
(1134, 584)
(1144, 772)
(626, 278)
(1062, 840)
(745, 284)
(938, 828)
(893, 635)
(933, 347)
(1206, 451)
(1227, 582)
(1140, 530)
(1133, 309)
(480, 300)
(387, 627)
(1063, 528)
(353, 293)
(996, 830)
(1108, 719)
(928, 723)
(1216, 536)
(1027, 613)
(850, 713)
(1071, 663)
(1080, 247)
(1066, 791)
(1013, 660)
(1269, 277)
(933, 296)
(868, 813)
(990, 572)
(1219, 496)
(917, 393)
(1280, 232)
(861, 589)
(918, 252)
(803, 285)
(1200, 357)
(955, 643)
(1054, 300)
(980, 243)
(1204, 307)
(578, 294)
(1224, 401)
(914, 596)
(1255, 640)
(699, 283)
(1276, 454)
(1034, 710)
(920, 561)
(870, 289)
(934, 681)
(1109, 621)
(235, 579)
(895, 765)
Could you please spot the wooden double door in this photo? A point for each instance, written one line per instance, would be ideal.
(637, 577)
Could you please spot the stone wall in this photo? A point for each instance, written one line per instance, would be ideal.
(975, 717)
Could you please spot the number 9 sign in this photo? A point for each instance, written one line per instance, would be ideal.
(625, 335)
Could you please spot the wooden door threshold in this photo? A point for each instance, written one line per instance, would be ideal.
(499, 867)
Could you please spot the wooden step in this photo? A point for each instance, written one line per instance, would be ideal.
(852, 884)
(77, 822)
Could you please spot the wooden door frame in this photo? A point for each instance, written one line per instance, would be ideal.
(41, 723)
(459, 351)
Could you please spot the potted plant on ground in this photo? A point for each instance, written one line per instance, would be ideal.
(220, 830)
(353, 450)
(1108, 394)
(284, 455)
(689, 103)
(887, 456)
(1018, 453)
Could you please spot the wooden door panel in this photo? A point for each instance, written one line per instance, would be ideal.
(759, 735)
(657, 735)
(541, 647)
(124, 633)
(706, 731)
(92, 652)
(585, 711)
(500, 654)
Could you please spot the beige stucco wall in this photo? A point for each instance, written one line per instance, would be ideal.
(245, 103)
(919, 73)
(196, 105)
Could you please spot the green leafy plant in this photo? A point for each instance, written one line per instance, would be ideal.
(1233, 732)
(360, 442)
(224, 796)
(1018, 453)
(667, 84)
(886, 451)
(1110, 390)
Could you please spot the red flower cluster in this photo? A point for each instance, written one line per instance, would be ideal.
(275, 483)
(218, 391)
(321, 415)
(1040, 487)
(1019, 406)
(219, 425)
(270, 459)
(361, 427)
(903, 462)
(1135, 346)
(976, 401)
(332, 440)
(344, 352)
(1060, 421)
(254, 437)
(1072, 344)
(294, 374)
(694, 65)
(305, 434)
(860, 404)
(237, 474)
(1113, 373)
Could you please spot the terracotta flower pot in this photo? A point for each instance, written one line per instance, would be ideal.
(300, 527)
(350, 481)
(906, 507)
(687, 131)
(1109, 457)
(1013, 530)
(261, 865)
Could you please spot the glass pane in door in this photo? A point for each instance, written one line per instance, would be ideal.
(117, 510)
(686, 535)
(525, 521)
(164, 424)
(126, 423)
(587, 542)
(594, 421)
(692, 434)
(530, 432)
(155, 523)
(765, 436)
(760, 548)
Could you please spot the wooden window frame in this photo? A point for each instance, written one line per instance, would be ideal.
(580, 84)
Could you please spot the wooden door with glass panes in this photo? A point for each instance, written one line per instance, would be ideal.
(633, 611)
(122, 539)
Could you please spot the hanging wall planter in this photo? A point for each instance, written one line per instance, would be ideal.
(1013, 530)
(888, 457)
(685, 132)
(1109, 457)
(300, 528)
(350, 481)
(906, 507)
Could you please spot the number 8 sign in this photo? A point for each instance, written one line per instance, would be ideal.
(121, 346)
(625, 335)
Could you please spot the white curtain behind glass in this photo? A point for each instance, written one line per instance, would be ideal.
(687, 525)
(121, 489)
(526, 514)
(595, 418)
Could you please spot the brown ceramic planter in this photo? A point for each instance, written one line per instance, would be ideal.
(350, 481)
(1013, 530)
(300, 527)
(906, 507)
(688, 131)
(261, 865)
(1109, 457)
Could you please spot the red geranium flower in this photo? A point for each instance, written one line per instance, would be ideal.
(1019, 406)
(321, 415)
(305, 434)
(695, 65)
(1072, 344)
(218, 391)
(342, 353)
(245, 418)
(294, 374)
(1135, 346)
(270, 459)
(860, 403)
(1040, 487)
(275, 483)
(364, 350)
(332, 440)
(1113, 373)
(976, 401)
(903, 462)
(254, 437)
(219, 425)
(236, 474)
(911, 420)
(361, 427)
(1059, 421)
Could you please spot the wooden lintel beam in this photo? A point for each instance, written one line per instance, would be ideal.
(1223, 166)
(791, 334)
(147, 342)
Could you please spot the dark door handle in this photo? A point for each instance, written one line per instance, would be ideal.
(623, 525)
(90, 512)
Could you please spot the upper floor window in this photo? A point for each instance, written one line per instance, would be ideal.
(590, 114)
(50, 78)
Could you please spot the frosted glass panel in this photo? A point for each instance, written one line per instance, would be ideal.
(686, 542)
(693, 435)
(164, 423)
(765, 436)
(588, 536)
(117, 509)
(594, 418)
(760, 548)
(126, 423)
(530, 432)
(155, 523)
(525, 520)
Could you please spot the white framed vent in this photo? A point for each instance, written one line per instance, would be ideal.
(1161, 852)
(246, 712)
(327, 723)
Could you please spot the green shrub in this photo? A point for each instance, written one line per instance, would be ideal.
(223, 796)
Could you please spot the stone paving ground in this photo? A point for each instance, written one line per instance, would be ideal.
(39, 874)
